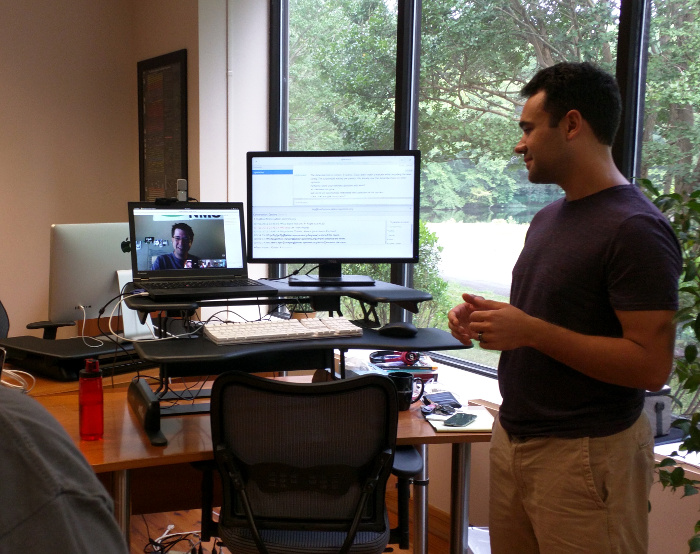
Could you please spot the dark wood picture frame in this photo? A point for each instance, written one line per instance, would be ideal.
(162, 97)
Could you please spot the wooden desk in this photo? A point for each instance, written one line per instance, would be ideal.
(126, 447)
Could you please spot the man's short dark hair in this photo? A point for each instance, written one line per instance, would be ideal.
(583, 87)
(183, 227)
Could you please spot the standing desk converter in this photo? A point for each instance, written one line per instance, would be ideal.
(200, 357)
(189, 357)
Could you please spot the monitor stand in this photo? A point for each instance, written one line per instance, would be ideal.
(330, 275)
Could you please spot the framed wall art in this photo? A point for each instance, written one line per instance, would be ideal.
(162, 97)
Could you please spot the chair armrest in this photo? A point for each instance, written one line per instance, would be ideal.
(50, 327)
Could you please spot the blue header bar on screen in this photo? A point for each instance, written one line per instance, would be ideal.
(273, 172)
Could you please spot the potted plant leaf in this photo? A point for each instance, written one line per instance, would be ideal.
(683, 212)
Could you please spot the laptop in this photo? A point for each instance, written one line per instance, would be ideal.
(191, 251)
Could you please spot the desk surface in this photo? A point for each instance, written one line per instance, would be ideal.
(126, 446)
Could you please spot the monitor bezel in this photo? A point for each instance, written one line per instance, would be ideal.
(415, 154)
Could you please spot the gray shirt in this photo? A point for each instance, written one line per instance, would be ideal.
(52, 500)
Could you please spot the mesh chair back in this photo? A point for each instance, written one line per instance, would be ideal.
(304, 451)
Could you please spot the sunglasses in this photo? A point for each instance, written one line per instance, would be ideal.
(439, 409)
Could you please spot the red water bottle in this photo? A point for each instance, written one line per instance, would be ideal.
(91, 401)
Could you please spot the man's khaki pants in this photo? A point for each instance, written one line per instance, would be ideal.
(571, 496)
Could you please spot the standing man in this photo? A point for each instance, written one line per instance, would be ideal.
(183, 237)
(589, 328)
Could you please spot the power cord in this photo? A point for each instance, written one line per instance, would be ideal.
(84, 336)
(293, 273)
(17, 379)
(167, 541)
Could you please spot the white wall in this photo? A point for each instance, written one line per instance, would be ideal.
(68, 137)
(69, 127)
(672, 518)
(233, 92)
(163, 26)
(248, 88)
(213, 100)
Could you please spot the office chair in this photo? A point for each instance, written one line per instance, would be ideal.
(49, 327)
(4, 322)
(304, 466)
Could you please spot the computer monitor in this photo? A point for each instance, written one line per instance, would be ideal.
(85, 258)
(331, 208)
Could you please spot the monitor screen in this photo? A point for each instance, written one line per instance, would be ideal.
(205, 238)
(330, 208)
(85, 258)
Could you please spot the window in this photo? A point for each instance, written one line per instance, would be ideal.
(669, 155)
(671, 133)
(474, 59)
(342, 75)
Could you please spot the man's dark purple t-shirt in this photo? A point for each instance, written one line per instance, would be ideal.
(582, 260)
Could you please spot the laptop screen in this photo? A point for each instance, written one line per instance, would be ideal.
(187, 240)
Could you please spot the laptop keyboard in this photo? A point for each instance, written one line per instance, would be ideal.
(280, 330)
(237, 282)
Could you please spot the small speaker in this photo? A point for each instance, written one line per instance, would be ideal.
(182, 190)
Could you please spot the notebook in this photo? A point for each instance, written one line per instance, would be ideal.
(191, 251)
(482, 423)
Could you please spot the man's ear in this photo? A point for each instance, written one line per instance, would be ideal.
(573, 123)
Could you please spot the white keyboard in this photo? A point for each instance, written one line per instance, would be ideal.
(280, 330)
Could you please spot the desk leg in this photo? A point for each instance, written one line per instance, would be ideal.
(122, 502)
(420, 502)
(459, 508)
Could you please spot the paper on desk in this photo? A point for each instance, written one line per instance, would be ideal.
(483, 421)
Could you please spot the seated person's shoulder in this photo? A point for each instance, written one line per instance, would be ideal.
(48, 484)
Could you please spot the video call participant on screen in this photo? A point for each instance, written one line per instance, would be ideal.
(183, 237)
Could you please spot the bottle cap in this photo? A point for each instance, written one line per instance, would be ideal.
(92, 365)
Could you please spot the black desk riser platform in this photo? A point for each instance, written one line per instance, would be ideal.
(62, 359)
(201, 357)
(321, 298)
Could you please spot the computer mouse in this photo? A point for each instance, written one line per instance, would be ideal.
(400, 329)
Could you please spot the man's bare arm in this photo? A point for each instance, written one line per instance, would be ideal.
(641, 358)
